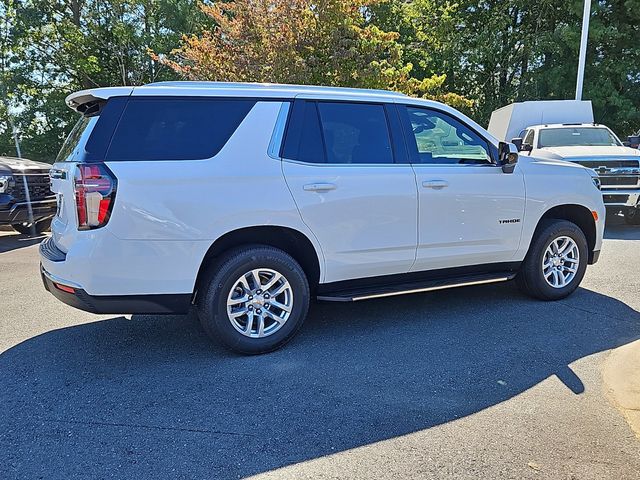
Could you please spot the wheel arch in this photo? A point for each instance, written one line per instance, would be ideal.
(290, 240)
(578, 214)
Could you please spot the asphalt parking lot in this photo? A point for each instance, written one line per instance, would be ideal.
(479, 382)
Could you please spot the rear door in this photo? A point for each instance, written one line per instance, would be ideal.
(340, 161)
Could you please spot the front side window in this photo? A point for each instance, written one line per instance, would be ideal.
(528, 139)
(437, 138)
(576, 136)
(171, 128)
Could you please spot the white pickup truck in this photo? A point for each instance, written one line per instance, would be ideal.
(564, 130)
(597, 147)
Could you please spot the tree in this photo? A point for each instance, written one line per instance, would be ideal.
(497, 52)
(489, 52)
(52, 48)
(329, 42)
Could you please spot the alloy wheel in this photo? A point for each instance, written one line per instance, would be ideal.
(560, 262)
(260, 303)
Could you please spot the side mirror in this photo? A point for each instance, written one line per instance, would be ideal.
(517, 142)
(634, 140)
(507, 156)
(521, 146)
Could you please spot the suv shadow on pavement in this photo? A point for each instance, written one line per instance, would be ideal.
(9, 242)
(132, 398)
(617, 229)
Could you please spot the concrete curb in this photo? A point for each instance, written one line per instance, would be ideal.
(621, 375)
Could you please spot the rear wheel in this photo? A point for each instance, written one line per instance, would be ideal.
(254, 300)
(38, 227)
(632, 216)
(556, 261)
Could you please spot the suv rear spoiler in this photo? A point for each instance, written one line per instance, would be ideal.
(84, 100)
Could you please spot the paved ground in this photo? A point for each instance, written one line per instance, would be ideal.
(471, 383)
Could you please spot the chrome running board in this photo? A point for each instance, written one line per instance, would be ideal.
(417, 287)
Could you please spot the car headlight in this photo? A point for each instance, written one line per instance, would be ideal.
(595, 179)
(4, 183)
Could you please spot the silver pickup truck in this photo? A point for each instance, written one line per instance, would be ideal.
(597, 147)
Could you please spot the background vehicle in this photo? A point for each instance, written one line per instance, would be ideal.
(633, 141)
(15, 199)
(248, 200)
(564, 130)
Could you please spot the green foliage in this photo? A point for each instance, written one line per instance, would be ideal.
(476, 55)
(332, 42)
(496, 51)
(50, 48)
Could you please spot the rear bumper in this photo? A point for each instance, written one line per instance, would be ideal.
(73, 295)
(19, 212)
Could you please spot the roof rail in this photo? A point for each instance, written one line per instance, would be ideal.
(268, 86)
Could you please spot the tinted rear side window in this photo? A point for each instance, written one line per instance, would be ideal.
(338, 133)
(169, 128)
(355, 133)
(303, 140)
(73, 147)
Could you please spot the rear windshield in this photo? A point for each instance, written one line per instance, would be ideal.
(579, 136)
(155, 128)
(175, 128)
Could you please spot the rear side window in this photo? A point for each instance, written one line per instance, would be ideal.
(169, 128)
(72, 149)
(338, 133)
(355, 133)
(304, 137)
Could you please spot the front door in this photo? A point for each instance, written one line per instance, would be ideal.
(471, 212)
(339, 163)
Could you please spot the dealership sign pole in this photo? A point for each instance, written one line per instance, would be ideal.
(583, 48)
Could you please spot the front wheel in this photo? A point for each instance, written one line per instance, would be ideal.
(254, 300)
(27, 228)
(556, 261)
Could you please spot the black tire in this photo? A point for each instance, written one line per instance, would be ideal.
(531, 279)
(221, 279)
(39, 227)
(632, 216)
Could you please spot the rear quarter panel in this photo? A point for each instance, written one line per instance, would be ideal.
(168, 213)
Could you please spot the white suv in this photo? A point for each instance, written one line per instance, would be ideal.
(246, 201)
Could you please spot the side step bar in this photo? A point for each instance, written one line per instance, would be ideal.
(415, 287)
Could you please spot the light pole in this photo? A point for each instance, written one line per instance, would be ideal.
(25, 185)
(583, 48)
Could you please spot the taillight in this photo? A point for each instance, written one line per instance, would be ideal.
(95, 190)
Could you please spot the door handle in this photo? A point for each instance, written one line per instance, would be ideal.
(435, 184)
(319, 187)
